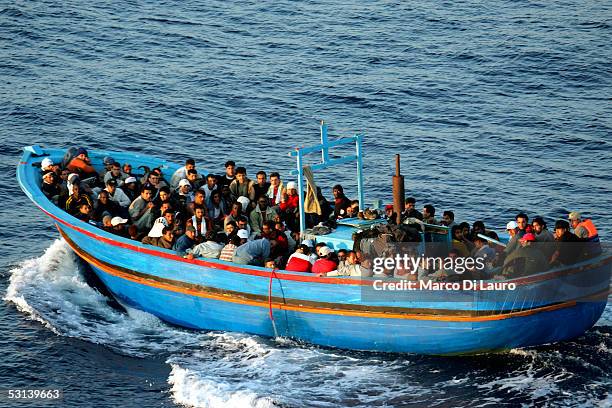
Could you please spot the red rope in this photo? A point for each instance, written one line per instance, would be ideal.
(272, 274)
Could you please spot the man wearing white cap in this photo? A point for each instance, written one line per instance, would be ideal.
(118, 227)
(130, 188)
(511, 229)
(46, 165)
(583, 229)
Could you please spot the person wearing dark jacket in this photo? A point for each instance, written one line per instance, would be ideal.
(186, 241)
(568, 248)
(166, 241)
(341, 202)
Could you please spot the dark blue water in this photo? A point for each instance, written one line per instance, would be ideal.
(495, 107)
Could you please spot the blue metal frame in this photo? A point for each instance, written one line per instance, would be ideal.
(326, 162)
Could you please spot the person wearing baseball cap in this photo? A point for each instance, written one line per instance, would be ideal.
(526, 259)
(327, 262)
(584, 229)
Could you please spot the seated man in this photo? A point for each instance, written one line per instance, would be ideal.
(185, 241)
(568, 248)
(341, 202)
(181, 173)
(458, 243)
(166, 220)
(209, 248)
(584, 229)
(105, 206)
(166, 241)
(130, 188)
(209, 187)
(254, 252)
(429, 215)
(242, 186)
(85, 213)
(299, 261)
(50, 186)
(217, 210)
(199, 201)
(183, 196)
(228, 251)
(115, 174)
(525, 260)
(118, 225)
(327, 262)
(199, 222)
(350, 267)
(410, 211)
(276, 189)
(81, 165)
(448, 218)
(194, 179)
(261, 214)
(230, 174)
(261, 186)
(142, 210)
(234, 214)
(116, 194)
(76, 199)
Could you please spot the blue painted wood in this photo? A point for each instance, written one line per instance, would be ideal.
(429, 335)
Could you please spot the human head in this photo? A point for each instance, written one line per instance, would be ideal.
(429, 211)
(409, 203)
(457, 232)
(448, 217)
(184, 186)
(115, 169)
(81, 153)
(164, 194)
(146, 192)
(241, 174)
(85, 208)
(342, 254)
(127, 168)
(270, 264)
(521, 220)
(230, 228)
(111, 186)
(108, 162)
(389, 210)
(574, 218)
(561, 227)
(103, 196)
(242, 222)
(291, 188)
(76, 189)
(511, 228)
(236, 209)
(478, 227)
(154, 177)
(169, 216)
(192, 175)
(274, 178)
(48, 177)
(262, 202)
(190, 231)
(198, 211)
(338, 191)
(538, 224)
(230, 168)
(168, 233)
(216, 197)
(243, 235)
(267, 227)
(465, 229)
(189, 164)
(106, 221)
(199, 197)
(318, 248)
(211, 181)
(261, 177)
(305, 249)
(479, 242)
(351, 257)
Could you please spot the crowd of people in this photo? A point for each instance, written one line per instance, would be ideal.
(256, 222)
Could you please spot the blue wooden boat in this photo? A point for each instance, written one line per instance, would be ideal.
(210, 294)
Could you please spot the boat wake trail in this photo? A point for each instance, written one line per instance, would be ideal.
(237, 370)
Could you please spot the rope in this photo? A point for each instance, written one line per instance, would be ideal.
(272, 274)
